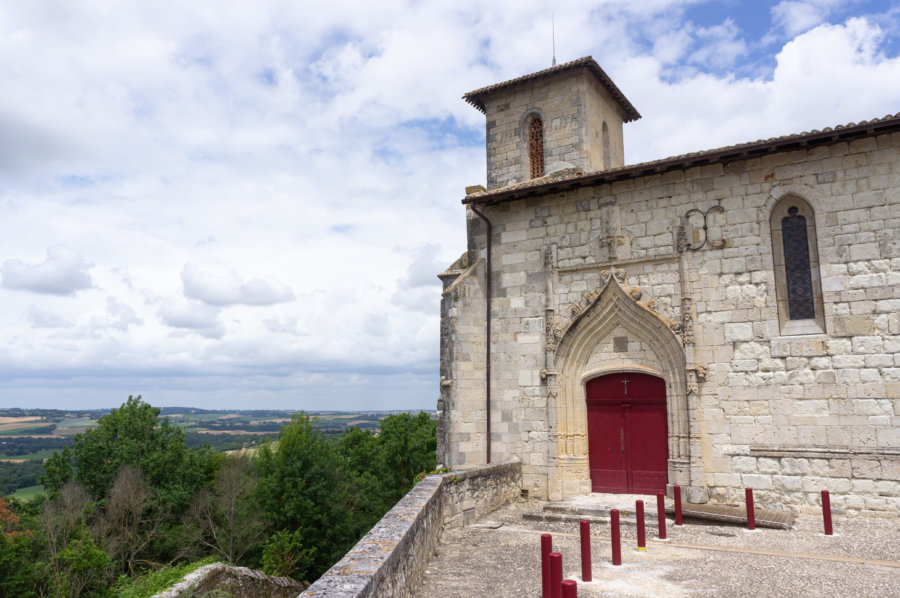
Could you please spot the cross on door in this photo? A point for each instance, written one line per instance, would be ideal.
(625, 381)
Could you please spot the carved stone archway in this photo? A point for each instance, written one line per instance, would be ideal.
(614, 306)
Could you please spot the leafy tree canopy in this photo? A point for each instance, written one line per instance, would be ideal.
(133, 435)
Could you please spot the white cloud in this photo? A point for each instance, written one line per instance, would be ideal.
(230, 289)
(63, 273)
(720, 46)
(45, 319)
(118, 316)
(797, 16)
(194, 316)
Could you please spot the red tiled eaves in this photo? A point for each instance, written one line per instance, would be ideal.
(723, 154)
(476, 97)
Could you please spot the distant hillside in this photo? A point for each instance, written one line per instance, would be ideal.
(28, 436)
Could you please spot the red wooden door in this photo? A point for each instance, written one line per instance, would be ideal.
(627, 433)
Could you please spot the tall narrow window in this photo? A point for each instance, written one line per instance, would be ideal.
(798, 288)
(536, 146)
(796, 266)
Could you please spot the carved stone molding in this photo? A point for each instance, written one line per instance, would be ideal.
(556, 329)
(687, 321)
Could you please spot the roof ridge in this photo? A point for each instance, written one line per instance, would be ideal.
(770, 144)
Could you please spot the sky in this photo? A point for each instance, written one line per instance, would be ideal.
(244, 204)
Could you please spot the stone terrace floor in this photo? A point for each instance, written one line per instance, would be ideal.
(500, 556)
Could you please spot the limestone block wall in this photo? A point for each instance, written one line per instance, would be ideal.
(390, 559)
(836, 391)
(461, 430)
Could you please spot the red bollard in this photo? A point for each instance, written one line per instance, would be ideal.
(569, 589)
(585, 550)
(661, 514)
(555, 575)
(546, 549)
(826, 512)
(641, 533)
(677, 505)
(751, 515)
(615, 537)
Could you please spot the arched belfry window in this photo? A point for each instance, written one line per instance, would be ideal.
(536, 146)
(795, 255)
(607, 147)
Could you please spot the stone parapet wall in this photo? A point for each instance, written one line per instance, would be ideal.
(233, 581)
(390, 559)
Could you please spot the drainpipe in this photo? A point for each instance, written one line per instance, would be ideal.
(487, 344)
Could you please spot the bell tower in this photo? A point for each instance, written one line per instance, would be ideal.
(566, 117)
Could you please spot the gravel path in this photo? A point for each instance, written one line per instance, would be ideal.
(500, 556)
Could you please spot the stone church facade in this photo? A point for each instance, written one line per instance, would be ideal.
(718, 320)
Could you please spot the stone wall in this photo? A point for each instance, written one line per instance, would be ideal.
(390, 559)
(232, 581)
(749, 383)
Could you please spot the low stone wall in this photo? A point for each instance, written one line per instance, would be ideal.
(233, 581)
(859, 480)
(390, 559)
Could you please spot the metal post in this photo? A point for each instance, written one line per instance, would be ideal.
(569, 589)
(546, 549)
(677, 505)
(641, 533)
(555, 575)
(615, 537)
(826, 512)
(661, 514)
(751, 515)
(585, 550)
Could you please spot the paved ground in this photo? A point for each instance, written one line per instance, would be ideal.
(500, 556)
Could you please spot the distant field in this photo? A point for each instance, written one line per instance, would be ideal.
(22, 429)
(39, 455)
(29, 437)
(241, 432)
(27, 492)
(21, 425)
(72, 426)
(18, 420)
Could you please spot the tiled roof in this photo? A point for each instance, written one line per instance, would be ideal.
(569, 179)
(476, 97)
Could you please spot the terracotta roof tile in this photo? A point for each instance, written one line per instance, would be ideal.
(568, 178)
(476, 97)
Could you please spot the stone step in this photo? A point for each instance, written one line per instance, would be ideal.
(735, 515)
(718, 513)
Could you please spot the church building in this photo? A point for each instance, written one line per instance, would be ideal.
(719, 320)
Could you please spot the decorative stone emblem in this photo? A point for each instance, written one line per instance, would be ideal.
(695, 375)
(715, 244)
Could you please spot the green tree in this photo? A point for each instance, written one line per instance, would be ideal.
(133, 435)
(407, 448)
(285, 555)
(84, 569)
(303, 489)
(21, 572)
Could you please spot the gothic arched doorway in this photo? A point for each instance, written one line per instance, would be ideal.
(627, 433)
